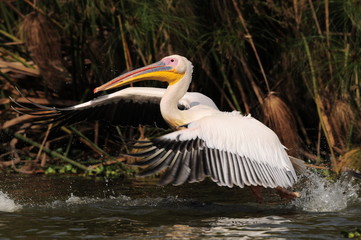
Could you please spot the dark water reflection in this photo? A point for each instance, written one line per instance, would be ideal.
(79, 208)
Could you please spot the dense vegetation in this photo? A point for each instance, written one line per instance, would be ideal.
(293, 64)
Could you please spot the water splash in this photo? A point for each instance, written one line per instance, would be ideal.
(321, 195)
(7, 204)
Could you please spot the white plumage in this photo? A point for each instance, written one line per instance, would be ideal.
(240, 139)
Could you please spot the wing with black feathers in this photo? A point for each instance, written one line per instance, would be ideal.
(127, 107)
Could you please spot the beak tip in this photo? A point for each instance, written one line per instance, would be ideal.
(95, 90)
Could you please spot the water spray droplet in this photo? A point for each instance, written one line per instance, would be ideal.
(7, 204)
(322, 195)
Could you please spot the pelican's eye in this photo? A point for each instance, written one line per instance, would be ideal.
(171, 61)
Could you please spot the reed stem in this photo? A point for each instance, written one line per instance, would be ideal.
(249, 36)
(52, 153)
(91, 144)
(326, 127)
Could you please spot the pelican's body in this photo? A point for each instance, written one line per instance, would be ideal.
(229, 148)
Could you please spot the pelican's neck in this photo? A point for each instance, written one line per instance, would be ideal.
(171, 97)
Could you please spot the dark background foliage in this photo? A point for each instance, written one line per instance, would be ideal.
(293, 64)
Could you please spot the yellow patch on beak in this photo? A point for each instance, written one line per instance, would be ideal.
(171, 77)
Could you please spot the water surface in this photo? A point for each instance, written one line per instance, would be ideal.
(43, 207)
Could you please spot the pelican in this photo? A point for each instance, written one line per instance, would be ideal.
(229, 148)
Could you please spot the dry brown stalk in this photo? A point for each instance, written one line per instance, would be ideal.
(15, 121)
(248, 72)
(43, 158)
(4, 164)
(351, 159)
(96, 132)
(327, 26)
(215, 82)
(52, 153)
(57, 139)
(16, 158)
(358, 95)
(26, 169)
(327, 23)
(141, 130)
(243, 94)
(279, 117)
(316, 166)
(33, 5)
(314, 15)
(325, 122)
(295, 9)
(17, 67)
(128, 59)
(326, 126)
(14, 9)
(44, 141)
(110, 162)
(91, 146)
(319, 134)
(42, 101)
(342, 119)
(4, 155)
(44, 44)
(298, 6)
(302, 128)
(321, 110)
(309, 155)
(249, 36)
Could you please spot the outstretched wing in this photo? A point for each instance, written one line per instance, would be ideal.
(230, 148)
(128, 107)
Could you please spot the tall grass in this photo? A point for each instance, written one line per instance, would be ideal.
(294, 64)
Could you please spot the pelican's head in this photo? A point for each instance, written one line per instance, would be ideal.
(170, 69)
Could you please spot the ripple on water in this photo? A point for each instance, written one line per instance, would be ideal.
(118, 201)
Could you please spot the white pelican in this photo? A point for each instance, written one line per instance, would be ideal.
(231, 149)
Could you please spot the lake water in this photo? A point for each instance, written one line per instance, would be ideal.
(48, 207)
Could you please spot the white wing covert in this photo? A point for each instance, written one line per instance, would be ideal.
(227, 153)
